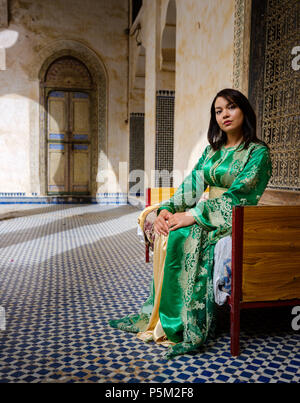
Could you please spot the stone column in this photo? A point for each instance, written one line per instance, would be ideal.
(3, 14)
(3, 24)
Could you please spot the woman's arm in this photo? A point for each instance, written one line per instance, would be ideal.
(190, 191)
(171, 213)
(215, 215)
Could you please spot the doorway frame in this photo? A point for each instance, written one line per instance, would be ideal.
(99, 105)
(48, 91)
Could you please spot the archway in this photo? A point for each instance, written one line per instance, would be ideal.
(68, 89)
(97, 99)
(168, 39)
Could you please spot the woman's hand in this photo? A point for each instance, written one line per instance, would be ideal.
(161, 222)
(179, 220)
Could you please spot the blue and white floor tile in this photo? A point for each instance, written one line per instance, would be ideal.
(67, 269)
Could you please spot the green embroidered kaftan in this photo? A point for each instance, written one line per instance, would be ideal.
(186, 309)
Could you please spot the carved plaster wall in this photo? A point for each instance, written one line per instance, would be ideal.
(274, 87)
(241, 53)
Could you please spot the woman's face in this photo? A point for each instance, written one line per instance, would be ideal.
(229, 116)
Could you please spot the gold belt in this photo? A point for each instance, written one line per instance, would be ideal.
(215, 191)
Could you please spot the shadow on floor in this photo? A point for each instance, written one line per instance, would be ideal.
(64, 224)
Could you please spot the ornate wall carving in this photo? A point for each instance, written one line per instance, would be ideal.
(241, 49)
(275, 86)
(69, 73)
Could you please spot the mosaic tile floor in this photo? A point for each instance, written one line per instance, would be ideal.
(66, 269)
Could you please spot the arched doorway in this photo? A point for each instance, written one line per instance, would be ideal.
(68, 90)
(98, 100)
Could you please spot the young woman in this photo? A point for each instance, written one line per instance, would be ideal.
(236, 166)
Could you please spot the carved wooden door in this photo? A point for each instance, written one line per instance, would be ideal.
(68, 141)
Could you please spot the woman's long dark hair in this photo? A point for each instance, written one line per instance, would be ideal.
(217, 137)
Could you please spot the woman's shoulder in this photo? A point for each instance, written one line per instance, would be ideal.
(253, 147)
(259, 152)
(204, 156)
(258, 147)
(206, 151)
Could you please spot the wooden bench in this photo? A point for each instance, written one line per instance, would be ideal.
(265, 259)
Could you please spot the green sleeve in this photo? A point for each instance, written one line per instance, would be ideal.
(190, 191)
(215, 215)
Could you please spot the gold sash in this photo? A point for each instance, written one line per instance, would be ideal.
(215, 191)
(154, 330)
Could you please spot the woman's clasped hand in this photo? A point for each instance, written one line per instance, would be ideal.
(166, 221)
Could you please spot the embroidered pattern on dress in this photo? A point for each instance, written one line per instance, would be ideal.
(212, 171)
(197, 288)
